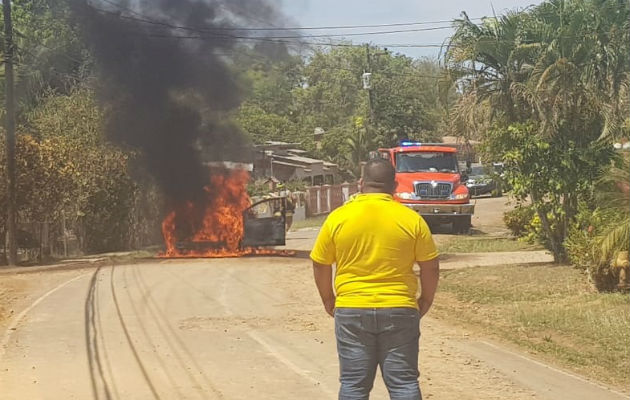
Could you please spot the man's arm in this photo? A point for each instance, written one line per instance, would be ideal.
(429, 276)
(323, 280)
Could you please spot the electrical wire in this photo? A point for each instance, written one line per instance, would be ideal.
(219, 29)
(215, 33)
(276, 28)
(273, 40)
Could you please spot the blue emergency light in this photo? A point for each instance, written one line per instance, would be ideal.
(406, 143)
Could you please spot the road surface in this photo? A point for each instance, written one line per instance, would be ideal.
(242, 328)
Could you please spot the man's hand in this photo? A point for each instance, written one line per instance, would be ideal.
(329, 306)
(423, 306)
(429, 276)
(323, 279)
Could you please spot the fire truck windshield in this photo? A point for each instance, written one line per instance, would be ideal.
(426, 161)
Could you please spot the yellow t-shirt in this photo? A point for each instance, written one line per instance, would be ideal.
(374, 242)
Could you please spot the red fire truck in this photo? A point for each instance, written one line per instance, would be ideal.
(431, 183)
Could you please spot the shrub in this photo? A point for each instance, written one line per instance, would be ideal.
(583, 245)
(518, 219)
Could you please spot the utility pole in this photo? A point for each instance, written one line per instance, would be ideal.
(10, 134)
(369, 89)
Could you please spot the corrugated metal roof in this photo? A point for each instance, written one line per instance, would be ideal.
(288, 164)
(299, 159)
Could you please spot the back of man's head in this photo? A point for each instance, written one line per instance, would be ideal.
(378, 176)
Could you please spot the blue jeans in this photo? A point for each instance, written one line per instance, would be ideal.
(384, 337)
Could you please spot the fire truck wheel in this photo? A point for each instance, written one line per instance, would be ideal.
(462, 224)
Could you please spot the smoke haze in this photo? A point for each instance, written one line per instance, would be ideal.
(164, 83)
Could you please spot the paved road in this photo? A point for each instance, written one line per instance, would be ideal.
(249, 328)
(246, 328)
(202, 329)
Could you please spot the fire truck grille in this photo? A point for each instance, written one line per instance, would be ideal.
(428, 190)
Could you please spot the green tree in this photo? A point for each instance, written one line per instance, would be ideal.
(262, 125)
(101, 195)
(406, 98)
(50, 55)
(614, 195)
(561, 68)
(43, 182)
(489, 57)
(540, 169)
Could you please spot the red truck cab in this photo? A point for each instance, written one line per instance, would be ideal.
(430, 182)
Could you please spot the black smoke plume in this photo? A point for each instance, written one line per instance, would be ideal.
(164, 82)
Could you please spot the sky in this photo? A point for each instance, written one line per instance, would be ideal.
(317, 13)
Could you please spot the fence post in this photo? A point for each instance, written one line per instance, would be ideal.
(65, 235)
(345, 191)
(328, 202)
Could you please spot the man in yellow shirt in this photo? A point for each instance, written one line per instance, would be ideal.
(374, 241)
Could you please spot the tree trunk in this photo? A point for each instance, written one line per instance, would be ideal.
(41, 243)
(559, 255)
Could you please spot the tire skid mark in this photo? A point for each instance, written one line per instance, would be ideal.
(147, 335)
(101, 336)
(128, 337)
(193, 287)
(272, 349)
(172, 338)
(97, 377)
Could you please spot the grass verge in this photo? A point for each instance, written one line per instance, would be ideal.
(481, 244)
(313, 222)
(548, 310)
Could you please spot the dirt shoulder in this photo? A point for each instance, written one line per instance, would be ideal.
(19, 288)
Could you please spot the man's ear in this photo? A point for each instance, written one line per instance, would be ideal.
(393, 187)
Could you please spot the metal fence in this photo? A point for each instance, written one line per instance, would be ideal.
(66, 237)
(325, 198)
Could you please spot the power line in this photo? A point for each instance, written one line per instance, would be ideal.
(272, 27)
(212, 33)
(272, 40)
(357, 26)
(215, 33)
(219, 29)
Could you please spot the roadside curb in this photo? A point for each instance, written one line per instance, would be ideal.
(65, 265)
(484, 259)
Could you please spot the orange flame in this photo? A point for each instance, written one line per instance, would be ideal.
(220, 231)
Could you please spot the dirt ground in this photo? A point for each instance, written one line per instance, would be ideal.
(245, 328)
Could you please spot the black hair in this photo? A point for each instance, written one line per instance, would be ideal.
(379, 173)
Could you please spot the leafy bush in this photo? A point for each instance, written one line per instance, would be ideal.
(518, 219)
(549, 172)
(583, 245)
(98, 196)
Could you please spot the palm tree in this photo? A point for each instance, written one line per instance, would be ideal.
(580, 73)
(489, 56)
(614, 195)
(563, 65)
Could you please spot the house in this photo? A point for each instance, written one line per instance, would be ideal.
(287, 162)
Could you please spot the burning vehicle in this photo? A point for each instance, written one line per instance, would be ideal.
(227, 225)
(175, 112)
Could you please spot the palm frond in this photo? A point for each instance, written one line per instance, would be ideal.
(616, 239)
